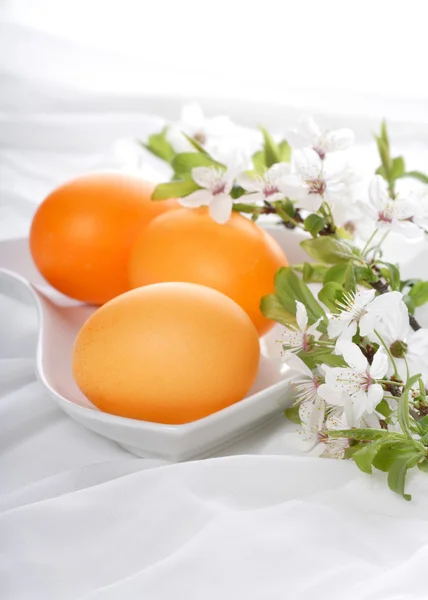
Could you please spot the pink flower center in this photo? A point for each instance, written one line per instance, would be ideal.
(366, 381)
(384, 216)
(320, 152)
(317, 186)
(218, 188)
(269, 190)
(307, 342)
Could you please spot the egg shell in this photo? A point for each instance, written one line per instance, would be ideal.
(83, 232)
(237, 258)
(168, 353)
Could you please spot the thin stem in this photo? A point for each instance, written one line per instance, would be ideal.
(389, 382)
(407, 367)
(378, 248)
(364, 250)
(329, 214)
(271, 209)
(324, 343)
(388, 351)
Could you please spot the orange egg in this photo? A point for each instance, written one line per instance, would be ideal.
(239, 258)
(169, 353)
(83, 232)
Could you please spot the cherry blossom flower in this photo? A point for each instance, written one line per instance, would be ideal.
(312, 437)
(216, 185)
(218, 135)
(358, 380)
(314, 181)
(310, 134)
(266, 187)
(388, 320)
(295, 339)
(202, 129)
(421, 214)
(392, 214)
(306, 383)
(353, 308)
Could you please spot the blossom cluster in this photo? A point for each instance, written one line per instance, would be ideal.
(359, 356)
(378, 349)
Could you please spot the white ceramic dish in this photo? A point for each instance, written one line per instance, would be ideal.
(59, 321)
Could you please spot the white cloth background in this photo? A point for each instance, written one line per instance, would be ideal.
(80, 518)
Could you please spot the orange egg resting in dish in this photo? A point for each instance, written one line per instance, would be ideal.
(239, 258)
(83, 232)
(168, 353)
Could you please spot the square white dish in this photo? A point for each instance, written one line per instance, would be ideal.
(59, 322)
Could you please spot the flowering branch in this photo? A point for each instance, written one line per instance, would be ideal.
(356, 346)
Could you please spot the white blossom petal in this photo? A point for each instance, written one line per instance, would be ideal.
(221, 208)
(301, 316)
(309, 129)
(352, 355)
(250, 184)
(192, 116)
(196, 199)
(374, 396)
(206, 177)
(331, 395)
(339, 139)
(379, 366)
(308, 163)
(378, 192)
(296, 364)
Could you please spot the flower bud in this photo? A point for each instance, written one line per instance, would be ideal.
(398, 349)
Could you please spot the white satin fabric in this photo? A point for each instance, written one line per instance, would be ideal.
(80, 518)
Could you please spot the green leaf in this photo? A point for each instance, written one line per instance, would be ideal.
(392, 273)
(292, 414)
(382, 142)
(397, 168)
(423, 466)
(329, 250)
(349, 283)
(271, 149)
(175, 189)
(330, 294)
(365, 456)
(423, 425)
(313, 273)
(408, 301)
(398, 471)
(289, 288)
(417, 175)
(336, 273)
(381, 171)
(285, 206)
(351, 450)
(361, 434)
(259, 161)
(322, 356)
(391, 450)
(237, 192)
(314, 224)
(158, 145)
(403, 407)
(195, 144)
(383, 408)
(284, 151)
(272, 308)
(184, 163)
(419, 293)
(365, 275)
